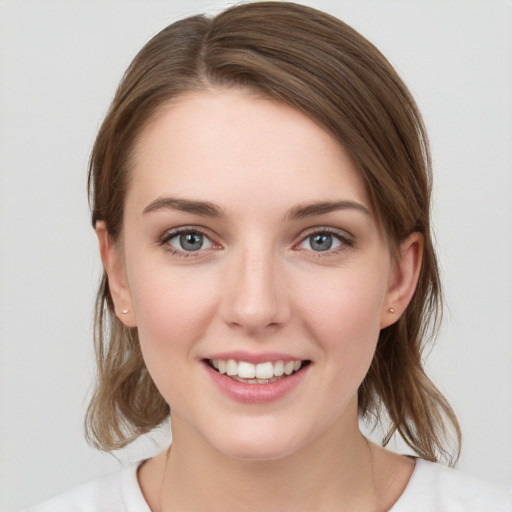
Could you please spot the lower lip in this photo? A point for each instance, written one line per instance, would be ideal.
(256, 393)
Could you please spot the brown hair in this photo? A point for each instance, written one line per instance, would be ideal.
(319, 65)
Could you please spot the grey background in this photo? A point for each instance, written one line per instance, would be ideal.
(59, 65)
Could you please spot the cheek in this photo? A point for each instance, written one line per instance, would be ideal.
(344, 318)
(172, 313)
(172, 300)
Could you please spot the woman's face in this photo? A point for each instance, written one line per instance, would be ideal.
(250, 248)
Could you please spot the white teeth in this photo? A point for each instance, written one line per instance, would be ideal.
(278, 368)
(288, 367)
(255, 373)
(232, 367)
(264, 371)
(246, 370)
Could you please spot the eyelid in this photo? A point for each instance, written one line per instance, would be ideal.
(346, 239)
(171, 233)
(174, 232)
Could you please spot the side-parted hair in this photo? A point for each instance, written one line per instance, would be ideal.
(322, 67)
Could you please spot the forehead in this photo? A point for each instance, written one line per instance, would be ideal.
(221, 145)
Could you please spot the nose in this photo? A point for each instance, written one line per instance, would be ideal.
(255, 299)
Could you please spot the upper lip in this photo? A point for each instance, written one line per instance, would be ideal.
(254, 358)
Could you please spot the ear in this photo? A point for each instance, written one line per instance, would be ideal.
(404, 279)
(113, 263)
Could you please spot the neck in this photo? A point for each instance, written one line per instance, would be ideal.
(336, 472)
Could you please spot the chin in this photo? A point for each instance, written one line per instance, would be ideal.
(254, 445)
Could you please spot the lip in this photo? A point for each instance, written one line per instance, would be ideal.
(255, 393)
(254, 358)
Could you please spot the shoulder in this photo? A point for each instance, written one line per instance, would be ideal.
(434, 487)
(116, 492)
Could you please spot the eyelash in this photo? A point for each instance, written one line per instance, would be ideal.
(345, 241)
(169, 235)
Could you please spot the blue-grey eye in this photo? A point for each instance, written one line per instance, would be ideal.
(190, 242)
(320, 242)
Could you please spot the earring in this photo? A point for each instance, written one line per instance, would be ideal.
(124, 311)
(391, 310)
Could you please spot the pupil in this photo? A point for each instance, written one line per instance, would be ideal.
(191, 241)
(321, 242)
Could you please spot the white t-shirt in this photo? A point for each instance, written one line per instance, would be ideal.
(432, 488)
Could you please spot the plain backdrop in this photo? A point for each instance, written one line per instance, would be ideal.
(60, 62)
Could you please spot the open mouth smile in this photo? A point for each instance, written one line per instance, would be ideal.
(261, 373)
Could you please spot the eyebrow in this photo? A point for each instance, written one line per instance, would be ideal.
(203, 208)
(208, 209)
(323, 207)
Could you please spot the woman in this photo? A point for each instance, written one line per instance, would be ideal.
(260, 190)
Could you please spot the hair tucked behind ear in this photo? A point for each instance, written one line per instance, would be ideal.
(415, 408)
(319, 65)
(126, 403)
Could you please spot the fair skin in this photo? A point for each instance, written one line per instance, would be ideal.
(249, 235)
